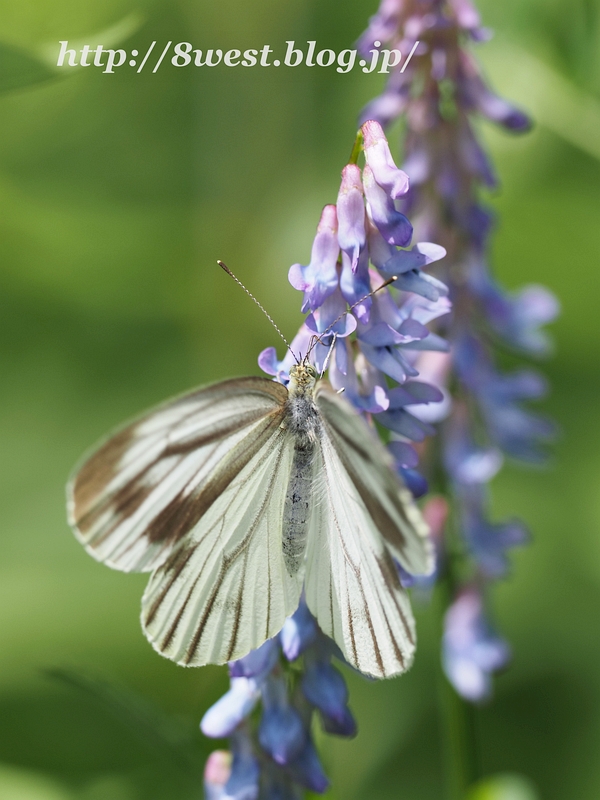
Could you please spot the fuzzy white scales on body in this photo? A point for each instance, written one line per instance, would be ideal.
(302, 420)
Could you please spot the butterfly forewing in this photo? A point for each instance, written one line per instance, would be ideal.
(225, 588)
(143, 489)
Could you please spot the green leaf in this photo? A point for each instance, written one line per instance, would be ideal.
(504, 787)
(19, 69)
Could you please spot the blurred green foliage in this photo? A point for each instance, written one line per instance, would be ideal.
(117, 194)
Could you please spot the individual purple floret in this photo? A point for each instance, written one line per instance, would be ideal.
(319, 279)
(216, 774)
(281, 733)
(471, 651)
(223, 718)
(380, 163)
(438, 95)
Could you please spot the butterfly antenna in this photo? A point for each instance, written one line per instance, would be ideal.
(328, 356)
(348, 310)
(226, 269)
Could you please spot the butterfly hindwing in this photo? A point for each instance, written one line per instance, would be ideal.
(370, 467)
(352, 585)
(225, 588)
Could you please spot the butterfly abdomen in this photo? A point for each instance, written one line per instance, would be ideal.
(297, 508)
(302, 421)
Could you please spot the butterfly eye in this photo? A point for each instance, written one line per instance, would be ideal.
(312, 371)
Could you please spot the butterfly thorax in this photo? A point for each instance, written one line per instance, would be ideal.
(302, 421)
(302, 417)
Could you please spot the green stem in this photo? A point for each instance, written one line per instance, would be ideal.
(458, 723)
(357, 149)
(460, 743)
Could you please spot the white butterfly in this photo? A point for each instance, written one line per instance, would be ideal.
(239, 495)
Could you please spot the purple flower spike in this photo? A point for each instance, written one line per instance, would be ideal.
(448, 168)
(319, 279)
(380, 161)
(257, 663)
(298, 632)
(393, 226)
(351, 215)
(471, 651)
(281, 732)
(223, 718)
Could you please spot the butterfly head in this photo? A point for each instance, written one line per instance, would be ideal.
(303, 378)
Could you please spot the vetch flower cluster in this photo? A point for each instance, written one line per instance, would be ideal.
(292, 678)
(372, 345)
(360, 242)
(438, 96)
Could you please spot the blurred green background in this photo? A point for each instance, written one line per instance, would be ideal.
(117, 194)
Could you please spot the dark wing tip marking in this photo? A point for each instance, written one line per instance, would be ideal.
(96, 473)
(89, 480)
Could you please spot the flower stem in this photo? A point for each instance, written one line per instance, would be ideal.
(458, 724)
(357, 149)
(460, 742)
